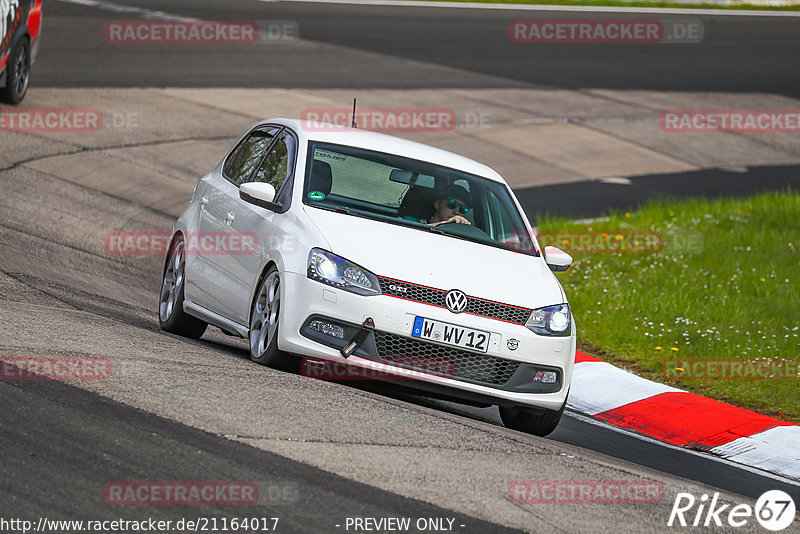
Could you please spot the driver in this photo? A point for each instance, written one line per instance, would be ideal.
(450, 207)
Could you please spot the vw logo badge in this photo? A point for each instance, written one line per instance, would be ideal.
(513, 343)
(456, 301)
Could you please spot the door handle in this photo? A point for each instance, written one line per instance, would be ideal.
(229, 218)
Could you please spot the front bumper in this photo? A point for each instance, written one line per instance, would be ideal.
(503, 375)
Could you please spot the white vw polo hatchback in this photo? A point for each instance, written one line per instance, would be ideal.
(342, 245)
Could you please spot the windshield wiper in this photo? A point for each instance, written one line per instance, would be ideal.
(440, 232)
(337, 209)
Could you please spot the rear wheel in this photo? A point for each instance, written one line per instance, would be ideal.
(171, 316)
(539, 422)
(18, 73)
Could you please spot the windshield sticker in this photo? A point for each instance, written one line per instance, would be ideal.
(319, 153)
(316, 195)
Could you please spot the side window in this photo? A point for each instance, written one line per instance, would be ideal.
(277, 165)
(499, 221)
(226, 169)
(247, 157)
(504, 224)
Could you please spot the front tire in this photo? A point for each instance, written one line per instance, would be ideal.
(541, 422)
(171, 316)
(264, 319)
(18, 73)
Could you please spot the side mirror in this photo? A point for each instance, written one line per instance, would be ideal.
(259, 193)
(557, 259)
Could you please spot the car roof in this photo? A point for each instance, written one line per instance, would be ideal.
(330, 133)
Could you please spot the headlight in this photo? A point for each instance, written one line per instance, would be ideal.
(550, 321)
(330, 269)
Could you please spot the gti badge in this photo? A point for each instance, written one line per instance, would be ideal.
(456, 301)
(513, 343)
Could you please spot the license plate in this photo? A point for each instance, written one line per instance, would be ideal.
(450, 334)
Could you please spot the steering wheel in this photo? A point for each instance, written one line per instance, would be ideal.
(465, 230)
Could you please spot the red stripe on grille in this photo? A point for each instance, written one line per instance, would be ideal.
(501, 303)
(468, 296)
(412, 300)
(444, 308)
(410, 284)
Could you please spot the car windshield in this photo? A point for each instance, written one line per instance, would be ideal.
(405, 191)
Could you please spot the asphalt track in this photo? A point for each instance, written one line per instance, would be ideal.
(60, 443)
(386, 47)
(598, 198)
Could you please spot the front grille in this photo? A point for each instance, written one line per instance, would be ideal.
(435, 297)
(446, 361)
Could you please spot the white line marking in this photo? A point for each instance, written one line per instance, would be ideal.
(581, 9)
(619, 180)
(119, 8)
(707, 456)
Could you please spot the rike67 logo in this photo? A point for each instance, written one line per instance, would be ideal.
(774, 510)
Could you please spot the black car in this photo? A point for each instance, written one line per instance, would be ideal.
(20, 27)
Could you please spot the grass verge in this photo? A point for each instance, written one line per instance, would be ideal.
(705, 295)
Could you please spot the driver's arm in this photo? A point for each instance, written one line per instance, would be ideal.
(454, 219)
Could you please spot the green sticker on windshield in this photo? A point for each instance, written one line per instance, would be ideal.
(316, 195)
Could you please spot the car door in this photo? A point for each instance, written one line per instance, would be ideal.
(259, 230)
(215, 236)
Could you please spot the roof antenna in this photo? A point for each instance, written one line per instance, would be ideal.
(354, 125)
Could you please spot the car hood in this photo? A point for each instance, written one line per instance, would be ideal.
(438, 261)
